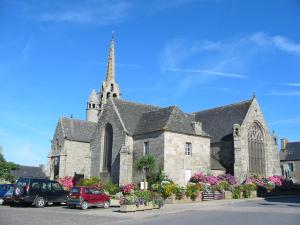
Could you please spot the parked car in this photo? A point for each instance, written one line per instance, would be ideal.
(8, 197)
(85, 197)
(3, 189)
(39, 191)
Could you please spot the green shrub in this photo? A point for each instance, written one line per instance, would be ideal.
(192, 191)
(93, 181)
(236, 192)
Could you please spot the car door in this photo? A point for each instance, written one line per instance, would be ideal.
(88, 196)
(57, 193)
(96, 197)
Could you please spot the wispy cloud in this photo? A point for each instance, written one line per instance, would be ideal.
(101, 12)
(293, 84)
(277, 41)
(284, 93)
(209, 72)
(287, 121)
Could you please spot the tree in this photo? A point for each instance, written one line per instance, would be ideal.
(5, 168)
(146, 164)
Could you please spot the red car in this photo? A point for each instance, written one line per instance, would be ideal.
(85, 197)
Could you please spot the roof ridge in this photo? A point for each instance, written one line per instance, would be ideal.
(169, 118)
(138, 103)
(224, 106)
(63, 117)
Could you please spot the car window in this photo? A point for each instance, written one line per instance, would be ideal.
(56, 187)
(95, 191)
(87, 191)
(35, 185)
(75, 190)
(22, 183)
(46, 186)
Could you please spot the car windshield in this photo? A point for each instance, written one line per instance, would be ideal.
(75, 190)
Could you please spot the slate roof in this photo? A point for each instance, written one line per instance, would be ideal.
(78, 130)
(218, 122)
(142, 119)
(131, 112)
(291, 152)
(28, 171)
(215, 164)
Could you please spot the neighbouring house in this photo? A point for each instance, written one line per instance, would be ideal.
(234, 138)
(290, 159)
(28, 171)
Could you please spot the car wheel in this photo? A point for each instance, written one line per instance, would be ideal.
(40, 202)
(84, 205)
(106, 205)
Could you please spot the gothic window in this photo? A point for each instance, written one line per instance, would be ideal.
(108, 95)
(111, 87)
(256, 150)
(108, 143)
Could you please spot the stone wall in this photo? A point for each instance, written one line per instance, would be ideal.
(77, 159)
(176, 162)
(241, 166)
(156, 147)
(295, 175)
(108, 115)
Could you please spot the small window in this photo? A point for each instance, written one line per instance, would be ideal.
(291, 167)
(111, 87)
(146, 148)
(188, 148)
(94, 106)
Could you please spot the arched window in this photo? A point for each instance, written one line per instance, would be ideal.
(256, 150)
(115, 95)
(108, 143)
(108, 95)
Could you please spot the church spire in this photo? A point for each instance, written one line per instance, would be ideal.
(110, 88)
(110, 73)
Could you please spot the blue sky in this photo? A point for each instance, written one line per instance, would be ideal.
(194, 54)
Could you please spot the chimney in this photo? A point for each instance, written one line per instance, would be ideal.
(284, 142)
(197, 126)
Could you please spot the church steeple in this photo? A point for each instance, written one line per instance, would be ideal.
(110, 73)
(110, 88)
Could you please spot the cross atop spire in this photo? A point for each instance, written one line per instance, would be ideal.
(110, 73)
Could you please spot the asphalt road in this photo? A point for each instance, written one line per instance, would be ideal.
(281, 211)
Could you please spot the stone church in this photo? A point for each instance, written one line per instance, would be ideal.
(116, 133)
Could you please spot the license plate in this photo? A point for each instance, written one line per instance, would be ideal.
(73, 196)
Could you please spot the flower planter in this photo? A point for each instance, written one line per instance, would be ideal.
(155, 206)
(253, 194)
(140, 208)
(170, 200)
(114, 202)
(149, 206)
(127, 208)
(199, 197)
(228, 195)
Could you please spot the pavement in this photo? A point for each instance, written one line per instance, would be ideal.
(283, 211)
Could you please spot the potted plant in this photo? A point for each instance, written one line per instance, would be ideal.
(128, 203)
(146, 164)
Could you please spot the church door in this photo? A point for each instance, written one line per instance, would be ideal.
(108, 143)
